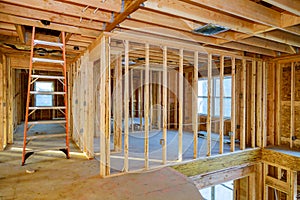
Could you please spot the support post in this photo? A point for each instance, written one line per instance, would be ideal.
(259, 105)
(209, 104)
(243, 107)
(221, 131)
(108, 106)
(159, 101)
(126, 106)
(278, 103)
(233, 103)
(165, 104)
(118, 105)
(292, 126)
(195, 104)
(253, 103)
(146, 107)
(264, 105)
(180, 100)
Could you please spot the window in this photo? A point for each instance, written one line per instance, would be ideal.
(202, 96)
(218, 192)
(44, 99)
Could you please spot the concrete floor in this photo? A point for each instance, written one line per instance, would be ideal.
(55, 177)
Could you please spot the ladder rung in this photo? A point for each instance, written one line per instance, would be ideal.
(46, 93)
(47, 107)
(47, 122)
(45, 60)
(47, 77)
(54, 44)
(46, 136)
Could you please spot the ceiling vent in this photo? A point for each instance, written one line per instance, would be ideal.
(210, 29)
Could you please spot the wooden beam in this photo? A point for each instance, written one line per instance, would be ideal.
(107, 106)
(221, 131)
(218, 162)
(210, 179)
(21, 33)
(180, 102)
(254, 12)
(292, 6)
(195, 103)
(249, 48)
(243, 105)
(130, 8)
(209, 103)
(118, 105)
(126, 106)
(253, 103)
(63, 8)
(233, 103)
(278, 103)
(165, 103)
(146, 105)
(292, 126)
(53, 26)
(112, 5)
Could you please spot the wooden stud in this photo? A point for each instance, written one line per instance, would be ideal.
(146, 106)
(253, 104)
(126, 106)
(265, 187)
(107, 106)
(151, 99)
(132, 99)
(233, 103)
(9, 93)
(293, 185)
(195, 104)
(264, 105)
(141, 100)
(259, 105)
(221, 131)
(292, 126)
(159, 101)
(2, 144)
(176, 101)
(165, 104)
(118, 105)
(5, 127)
(91, 116)
(102, 107)
(169, 100)
(180, 101)
(278, 103)
(209, 104)
(243, 107)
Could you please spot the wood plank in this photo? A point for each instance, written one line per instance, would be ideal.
(130, 8)
(64, 8)
(146, 106)
(102, 107)
(132, 99)
(253, 103)
(195, 103)
(278, 103)
(264, 105)
(159, 84)
(259, 105)
(180, 102)
(218, 162)
(112, 5)
(292, 6)
(21, 33)
(151, 99)
(141, 99)
(233, 103)
(126, 106)
(9, 93)
(107, 105)
(2, 144)
(221, 131)
(165, 103)
(210, 179)
(53, 26)
(292, 126)
(209, 104)
(243, 106)
(118, 108)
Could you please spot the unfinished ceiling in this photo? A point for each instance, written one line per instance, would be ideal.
(256, 28)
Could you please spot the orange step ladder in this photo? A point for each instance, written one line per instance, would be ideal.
(30, 109)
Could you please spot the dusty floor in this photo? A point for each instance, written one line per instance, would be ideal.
(55, 177)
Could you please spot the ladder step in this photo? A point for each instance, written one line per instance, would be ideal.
(47, 107)
(46, 93)
(45, 60)
(47, 77)
(53, 44)
(46, 136)
(47, 122)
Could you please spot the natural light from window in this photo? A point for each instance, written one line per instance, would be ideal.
(202, 96)
(44, 99)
